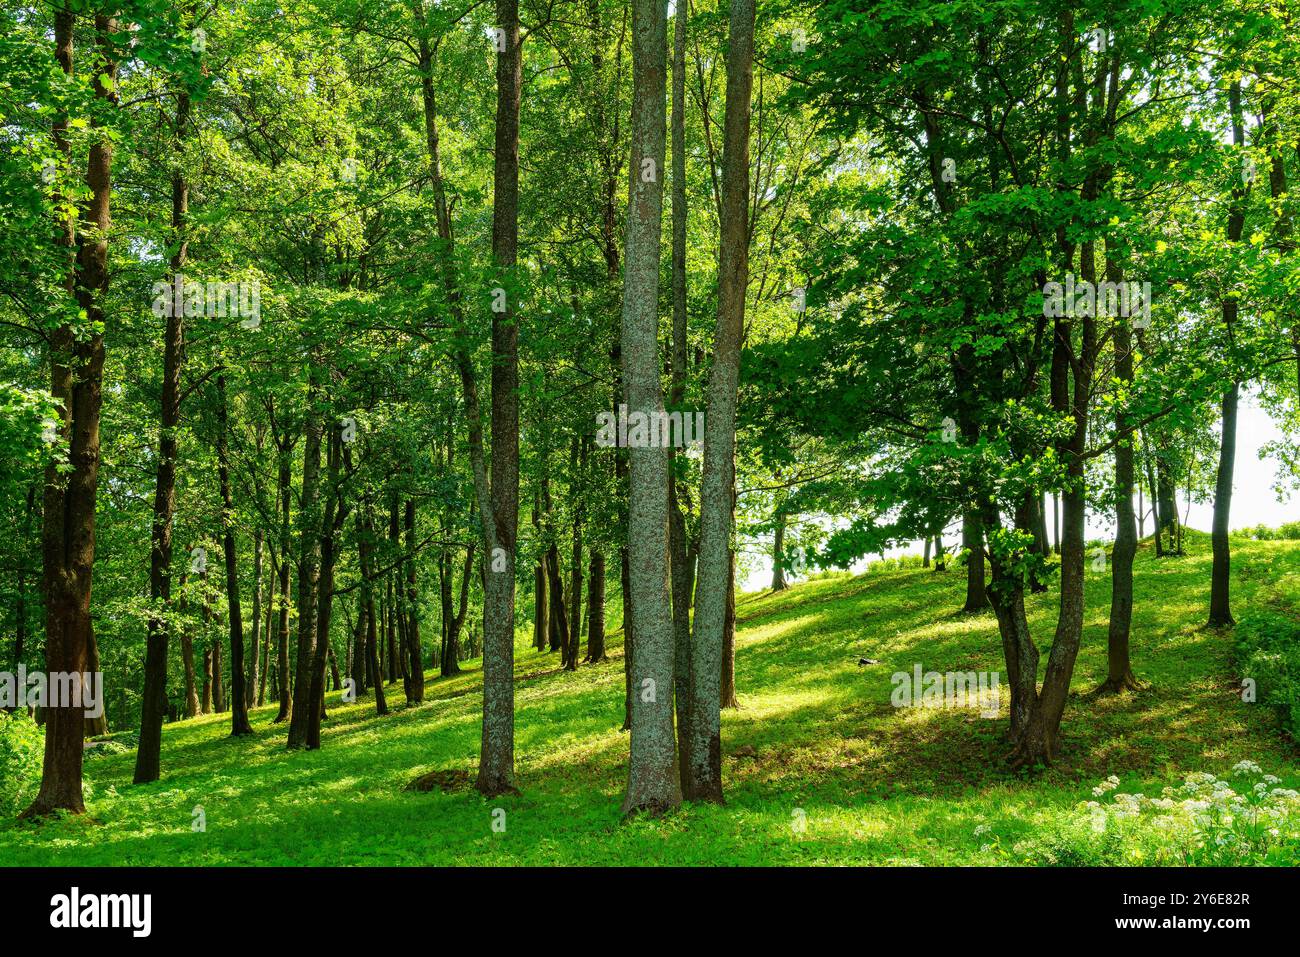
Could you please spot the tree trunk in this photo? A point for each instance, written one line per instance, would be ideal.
(283, 688)
(414, 656)
(778, 554)
(578, 462)
(239, 724)
(1221, 570)
(679, 563)
(153, 701)
(218, 675)
(332, 523)
(255, 635)
(1119, 670)
(365, 547)
(728, 693)
(309, 556)
(972, 539)
(652, 783)
(596, 608)
(77, 370)
(718, 482)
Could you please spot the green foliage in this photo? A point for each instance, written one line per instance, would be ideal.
(22, 747)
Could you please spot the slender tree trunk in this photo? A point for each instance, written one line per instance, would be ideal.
(596, 608)
(728, 692)
(778, 554)
(206, 705)
(283, 688)
(187, 660)
(153, 702)
(1119, 670)
(1221, 570)
(239, 723)
(718, 483)
(682, 577)
(255, 635)
(578, 462)
(266, 643)
(365, 548)
(414, 657)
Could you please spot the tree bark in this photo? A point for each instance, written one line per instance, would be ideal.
(652, 784)
(596, 608)
(1119, 669)
(309, 555)
(283, 688)
(414, 656)
(1221, 569)
(239, 724)
(153, 701)
(76, 383)
(718, 482)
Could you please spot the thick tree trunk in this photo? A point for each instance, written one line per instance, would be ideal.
(652, 784)
(309, 556)
(708, 642)
(336, 511)
(77, 370)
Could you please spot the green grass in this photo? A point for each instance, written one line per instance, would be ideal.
(815, 736)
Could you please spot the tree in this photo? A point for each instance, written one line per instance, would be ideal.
(652, 784)
(717, 488)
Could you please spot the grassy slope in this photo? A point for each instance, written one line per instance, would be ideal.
(815, 732)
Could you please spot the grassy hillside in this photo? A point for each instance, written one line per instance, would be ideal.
(819, 768)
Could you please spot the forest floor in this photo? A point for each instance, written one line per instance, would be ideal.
(818, 767)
